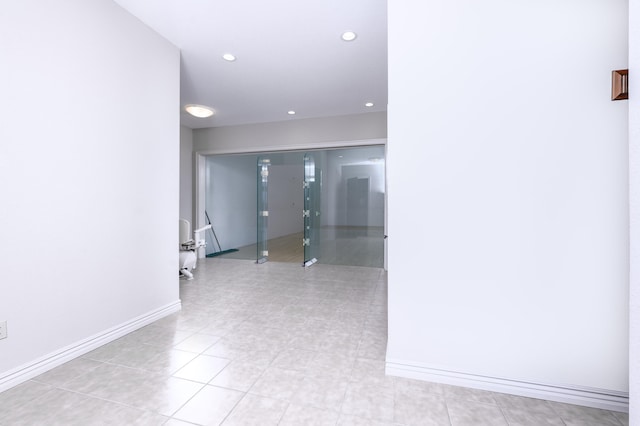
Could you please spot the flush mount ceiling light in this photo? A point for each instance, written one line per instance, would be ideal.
(199, 111)
(229, 57)
(368, 104)
(291, 112)
(349, 36)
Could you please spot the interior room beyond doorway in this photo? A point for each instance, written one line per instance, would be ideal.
(350, 208)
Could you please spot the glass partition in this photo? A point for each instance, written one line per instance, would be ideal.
(353, 195)
(258, 203)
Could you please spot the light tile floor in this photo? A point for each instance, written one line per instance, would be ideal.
(339, 245)
(271, 344)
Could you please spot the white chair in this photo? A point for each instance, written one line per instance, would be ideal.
(188, 256)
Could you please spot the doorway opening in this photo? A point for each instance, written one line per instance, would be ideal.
(325, 206)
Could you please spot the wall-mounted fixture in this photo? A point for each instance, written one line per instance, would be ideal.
(619, 85)
(349, 36)
(199, 111)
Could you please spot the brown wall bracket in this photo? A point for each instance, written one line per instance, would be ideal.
(619, 85)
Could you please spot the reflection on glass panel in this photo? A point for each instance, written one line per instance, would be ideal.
(354, 193)
(231, 201)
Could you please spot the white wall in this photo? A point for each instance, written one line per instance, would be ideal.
(88, 181)
(186, 174)
(286, 199)
(634, 191)
(504, 139)
(231, 200)
(292, 134)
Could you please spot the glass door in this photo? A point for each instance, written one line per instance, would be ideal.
(311, 212)
(262, 251)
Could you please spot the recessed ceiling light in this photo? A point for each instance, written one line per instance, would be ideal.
(369, 104)
(229, 57)
(199, 111)
(349, 36)
(291, 112)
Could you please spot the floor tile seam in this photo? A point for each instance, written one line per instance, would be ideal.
(242, 362)
(201, 352)
(206, 355)
(158, 375)
(448, 413)
(30, 401)
(264, 395)
(99, 398)
(54, 385)
(284, 413)
(172, 416)
(504, 416)
(110, 362)
(104, 361)
(189, 330)
(171, 347)
(564, 421)
(469, 399)
(35, 380)
(359, 342)
(220, 372)
(262, 373)
(502, 403)
(618, 418)
(446, 401)
(193, 380)
(502, 408)
(182, 421)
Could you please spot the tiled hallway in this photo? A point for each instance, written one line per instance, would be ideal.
(339, 245)
(271, 344)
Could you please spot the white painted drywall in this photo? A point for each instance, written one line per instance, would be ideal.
(89, 175)
(231, 201)
(286, 199)
(290, 135)
(634, 192)
(507, 185)
(186, 174)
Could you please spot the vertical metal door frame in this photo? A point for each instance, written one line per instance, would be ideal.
(262, 249)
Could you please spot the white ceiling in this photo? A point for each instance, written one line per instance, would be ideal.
(289, 56)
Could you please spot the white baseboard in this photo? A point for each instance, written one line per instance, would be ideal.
(596, 398)
(30, 370)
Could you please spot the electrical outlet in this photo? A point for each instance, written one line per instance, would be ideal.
(3, 329)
